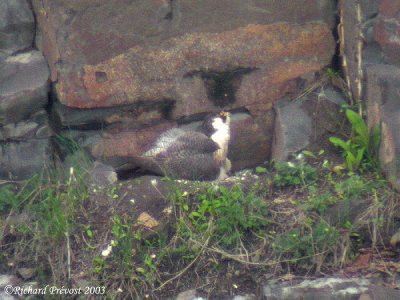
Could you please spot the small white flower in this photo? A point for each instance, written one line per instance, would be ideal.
(300, 156)
(132, 200)
(184, 194)
(153, 182)
(235, 286)
(153, 256)
(119, 290)
(106, 252)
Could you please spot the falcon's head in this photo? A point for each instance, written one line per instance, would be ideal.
(216, 122)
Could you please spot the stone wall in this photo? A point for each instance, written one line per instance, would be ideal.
(122, 72)
(373, 69)
(24, 85)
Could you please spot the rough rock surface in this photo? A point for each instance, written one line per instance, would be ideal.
(182, 51)
(329, 289)
(358, 34)
(24, 84)
(249, 146)
(134, 77)
(25, 147)
(251, 139)
(172, 68)
(383, 88)
(96, 31)
(302, 122)
(17, 26)
(292, 130)
(387, 31)
(8, 280)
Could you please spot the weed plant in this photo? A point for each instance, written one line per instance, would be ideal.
(361, 147)
(215, 232)
(233, 213)
(294, 173)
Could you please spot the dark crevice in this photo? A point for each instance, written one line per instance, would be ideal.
(101, 77)
(166, 108)
(94, 118)
(170, 15)
(222, 86)
(336, 63)
(134, 173)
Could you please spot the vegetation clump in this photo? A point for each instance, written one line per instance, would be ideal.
(302, 217)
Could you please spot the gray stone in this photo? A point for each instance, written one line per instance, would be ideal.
(244, 297)
(318, 289)
(35, 127)
(369, 39)
(292, 130)
(103, 174)
(395, 239)
(25, 147)
(383, 109)
(8, 280)
(187, 295)
(333, 96)
(24, 83)
(23, 159)
(387, 30)
(17, 26)
(26, 273)
(378, 292)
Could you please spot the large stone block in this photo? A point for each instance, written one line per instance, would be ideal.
(292, 129)
(24, 84)
(25, 147)
(17, 26)
(182, 51)
(251, 139)
(152, 74)
(387, 31)
(383, 108)
(250, 143)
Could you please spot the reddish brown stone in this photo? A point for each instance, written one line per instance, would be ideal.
(172, 45)
(250, 143)
(127, 144)
(148, 73)
(251, 138)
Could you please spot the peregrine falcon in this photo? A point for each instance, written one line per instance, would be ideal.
(194, 155)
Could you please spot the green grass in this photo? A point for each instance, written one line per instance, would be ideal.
(282, 222)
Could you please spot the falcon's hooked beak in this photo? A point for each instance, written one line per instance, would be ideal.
(225, 116)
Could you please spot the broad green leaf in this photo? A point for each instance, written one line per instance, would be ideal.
(358, 125)
(308, 153)
(261, 170)
(338, 142)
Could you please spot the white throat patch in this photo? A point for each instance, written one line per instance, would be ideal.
(222, 134)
